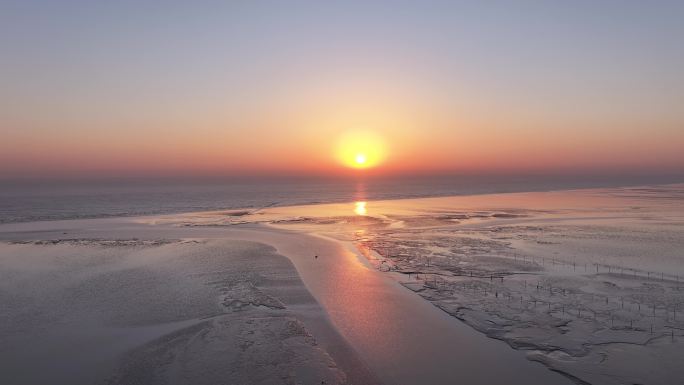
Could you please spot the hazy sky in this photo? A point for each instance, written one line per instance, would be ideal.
(143, 87)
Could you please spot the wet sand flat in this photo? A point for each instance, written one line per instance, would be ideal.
(86, 311)
(436, 290)
(382, 332)
(386, 333)
(588, 282)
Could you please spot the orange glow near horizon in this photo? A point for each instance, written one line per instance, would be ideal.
(354, 125)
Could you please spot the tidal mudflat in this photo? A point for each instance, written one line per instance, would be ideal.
(163, 311)
(588, 282)
(146, 301)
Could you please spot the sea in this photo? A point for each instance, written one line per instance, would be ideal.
(51, 199)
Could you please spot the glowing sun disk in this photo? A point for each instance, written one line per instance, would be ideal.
(361, 149)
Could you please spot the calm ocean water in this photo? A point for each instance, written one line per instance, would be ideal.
(22, 201)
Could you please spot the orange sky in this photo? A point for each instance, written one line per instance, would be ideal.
(299, 134)
(242, 90)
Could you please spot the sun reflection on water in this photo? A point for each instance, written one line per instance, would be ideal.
(360, 208)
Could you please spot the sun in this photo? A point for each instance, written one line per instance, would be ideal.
(361, 149)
